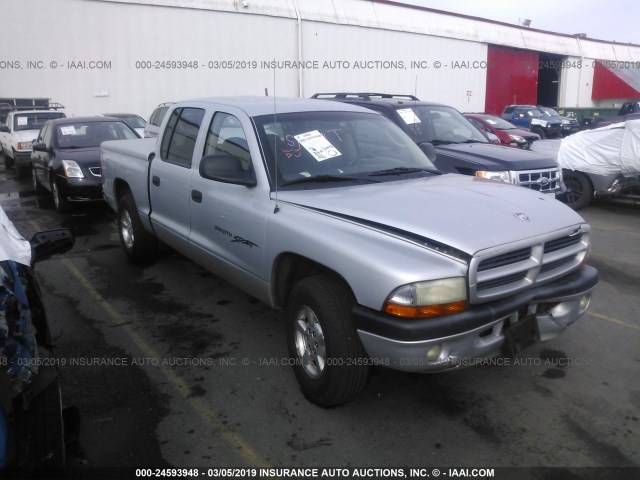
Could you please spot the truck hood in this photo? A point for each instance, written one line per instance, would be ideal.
(467, 213)
(26, 135)
(487, 156)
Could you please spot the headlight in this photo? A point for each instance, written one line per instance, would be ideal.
(24, 145)
(500, 176)
(428, 299)
(517, 138)
(566, 121)
(71, 169)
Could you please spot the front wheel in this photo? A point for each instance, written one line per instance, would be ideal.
(8, 161)
(579, 190)
(540, 132)
(59, 200)
(329, 361)
(34, 181)
(139, 245)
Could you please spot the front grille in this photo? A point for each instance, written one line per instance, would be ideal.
(501, 272)
(561, 243)
(506, 259)
(95, 171)
(545, 181)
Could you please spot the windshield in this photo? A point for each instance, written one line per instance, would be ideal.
(91, 134)
(133, 121)
(549, 112)
(499, 123)
(327, 147)
(34, 121)
(439, 125)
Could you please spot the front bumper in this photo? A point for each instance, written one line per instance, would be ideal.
(451, 341)
(22, 159)
(570, 129)
(81, 190)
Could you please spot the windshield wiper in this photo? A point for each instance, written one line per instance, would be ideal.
(402, 171)
(437, 141)
(471, 140)
(326, 178)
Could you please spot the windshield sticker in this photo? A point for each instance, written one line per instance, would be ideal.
(317, 145)
(23, 121)
(69, 130)
(409, 116)
(491, 122)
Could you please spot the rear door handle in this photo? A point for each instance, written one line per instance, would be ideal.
(196, 196)
(155, 180)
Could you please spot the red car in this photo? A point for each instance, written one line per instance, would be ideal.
(508, 133)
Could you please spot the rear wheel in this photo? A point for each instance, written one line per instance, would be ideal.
(329, 361)
(139, 245)
(579, 190)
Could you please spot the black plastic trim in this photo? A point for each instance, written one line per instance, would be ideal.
(385, 325)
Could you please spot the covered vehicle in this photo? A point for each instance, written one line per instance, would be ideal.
(604, 162)
(31, 427)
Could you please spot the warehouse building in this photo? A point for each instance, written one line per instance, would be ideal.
(98, 56)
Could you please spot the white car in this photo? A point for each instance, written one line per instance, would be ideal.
(134, 121)
(17, 134)
(155, 120)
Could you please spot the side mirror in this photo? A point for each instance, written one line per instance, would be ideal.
(51, 242)
(227, 169)
(429, 150)
(39, 147)
(4, 129)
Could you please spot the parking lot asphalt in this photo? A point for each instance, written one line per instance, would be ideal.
(168, 365)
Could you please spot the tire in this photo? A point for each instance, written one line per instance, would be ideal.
(40, 431)
(61, 203)
(540, 132)
(139, 245)
(34, 181)
(21, 171)
(329, 361)
(579, 190)
(8, 161)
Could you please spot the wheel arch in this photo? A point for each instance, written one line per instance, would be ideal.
(120, 188)
(290, 268)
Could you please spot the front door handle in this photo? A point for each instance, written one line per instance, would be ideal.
(196, 196)
(155, 180)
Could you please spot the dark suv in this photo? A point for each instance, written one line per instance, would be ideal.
(459, 146)
(534, 119)
(567, 125)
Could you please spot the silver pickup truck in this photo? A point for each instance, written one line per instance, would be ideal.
(331, 213)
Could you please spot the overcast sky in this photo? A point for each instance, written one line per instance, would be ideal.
(614, 20)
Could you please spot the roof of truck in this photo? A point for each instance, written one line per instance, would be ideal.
(255, 106)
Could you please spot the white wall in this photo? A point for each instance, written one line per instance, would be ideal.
(119, 33)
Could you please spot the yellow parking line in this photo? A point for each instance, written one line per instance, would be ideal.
(614, 320)
(203, 410)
